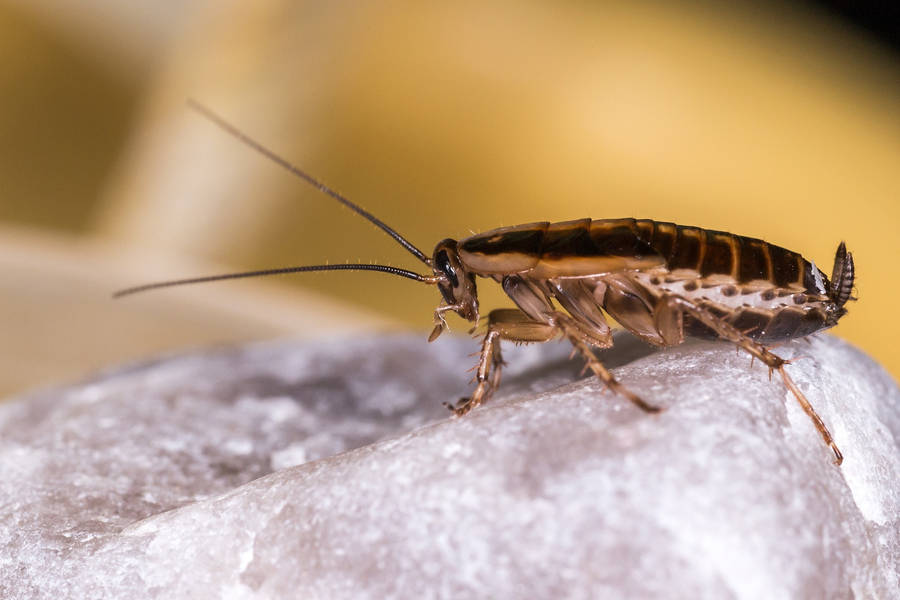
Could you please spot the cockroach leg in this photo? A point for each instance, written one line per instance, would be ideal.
(487, 375)
(578, 338)
(503, 324)
(440, 324)
(775, 363)
(812, 414)
(515, 326)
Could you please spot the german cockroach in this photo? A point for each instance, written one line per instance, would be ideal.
(660, 281)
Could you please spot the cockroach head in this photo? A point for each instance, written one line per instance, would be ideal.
(842, 276)
(457, 285)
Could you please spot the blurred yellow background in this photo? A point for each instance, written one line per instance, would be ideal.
(768, 120)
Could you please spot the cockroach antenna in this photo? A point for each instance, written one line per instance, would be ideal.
(277, 271)
(247, 140)
(295, 170)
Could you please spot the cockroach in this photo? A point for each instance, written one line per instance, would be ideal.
(660, 281)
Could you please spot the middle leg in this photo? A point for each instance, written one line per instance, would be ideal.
(581, 341)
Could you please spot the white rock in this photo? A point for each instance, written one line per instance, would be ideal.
(174, 479)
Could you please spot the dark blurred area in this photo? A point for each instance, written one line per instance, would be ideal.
(878, 20)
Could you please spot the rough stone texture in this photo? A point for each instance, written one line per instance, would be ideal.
(331, 471)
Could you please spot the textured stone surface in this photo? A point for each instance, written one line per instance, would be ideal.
(332, 471)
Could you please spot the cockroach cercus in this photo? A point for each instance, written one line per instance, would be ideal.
(660, 281)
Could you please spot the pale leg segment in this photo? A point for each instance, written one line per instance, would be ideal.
(775, 363)
(440, 323)
(579, 341)
(514, 325)
(507, 324)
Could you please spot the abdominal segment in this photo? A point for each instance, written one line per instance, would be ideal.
(764, 315)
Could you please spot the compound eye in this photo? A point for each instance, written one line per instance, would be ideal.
(444, 265)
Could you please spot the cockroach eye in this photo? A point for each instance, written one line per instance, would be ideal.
(444, 266)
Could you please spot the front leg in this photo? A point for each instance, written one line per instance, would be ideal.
(440, 323)
(503, 324)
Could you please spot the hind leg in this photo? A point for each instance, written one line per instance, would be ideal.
(671, 305)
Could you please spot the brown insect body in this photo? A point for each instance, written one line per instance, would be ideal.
(660, 281)
(769, 293)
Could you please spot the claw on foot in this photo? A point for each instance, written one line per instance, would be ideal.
(838, 457)
(460, 408)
